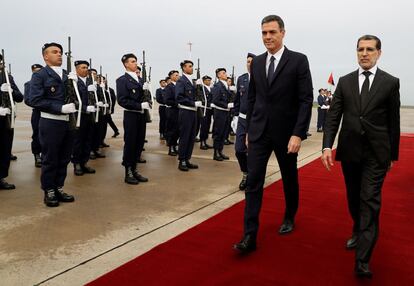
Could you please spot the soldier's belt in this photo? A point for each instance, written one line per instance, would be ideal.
(187, 107)
(136, 111)
(63, 117)
(242, 115)
(219, 108)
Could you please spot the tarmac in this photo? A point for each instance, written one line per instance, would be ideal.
(111, 222)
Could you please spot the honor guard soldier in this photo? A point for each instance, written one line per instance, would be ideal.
(130, 92)
(7, 88)
(240, 110)
(83, 136)
(113, 102)
(187, 117)
(48, 93)
(159, 96)
(172, 114)
(222, 106)
(206, 120)
(35, 146)
(229, 131)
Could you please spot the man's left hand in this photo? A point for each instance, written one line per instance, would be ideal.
(294, 144)
(390, 166)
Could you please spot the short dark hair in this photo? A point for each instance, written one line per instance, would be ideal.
(274, 18)
(162, 80)
(369, 38)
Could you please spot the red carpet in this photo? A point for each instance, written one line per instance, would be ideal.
(313, 255)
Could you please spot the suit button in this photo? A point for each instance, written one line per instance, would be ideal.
(361, 117)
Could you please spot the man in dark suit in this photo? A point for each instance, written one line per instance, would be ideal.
(279, 109)
(159, 96)
(173, 132)
(368, 101)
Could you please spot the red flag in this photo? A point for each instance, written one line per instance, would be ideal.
(331, 80)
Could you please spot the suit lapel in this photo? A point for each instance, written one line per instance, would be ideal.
(283, 60)
(373, 90)
(131, 79)
(54, 74)
(355, 90)
(261, 64)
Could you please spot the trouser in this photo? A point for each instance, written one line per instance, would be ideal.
(36, 148)
(221, 119)
(162, 112)
(240, 145)
(187, 121)
(321, 118)
(173, 132)
(259, 154)
(134, 137)
(6, 141)
(112, 123)
(56, 140)
(363, 182)
(205, 125)
(82, 144)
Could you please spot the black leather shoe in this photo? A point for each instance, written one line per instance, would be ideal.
(246, 245)
(243, 183)
(115, 134)
(140, 178)
(172, 152)
(203, 146)
(50, 199)
(362, 270)
(224, 156)
(191, 165)
(162, 137)
(352, 242)
(182, 166)
(104, 145)
(38, 160)
(13, 157)
(78, 170)
(92, 156)
(287, 226)
(141, 161)
(208, 146)
(64, 197)
(197, 140)
(88, 170)
(226, 142)
(129, 176)
(99, 154)
(6, 186)
(217, 156)
(319, 130)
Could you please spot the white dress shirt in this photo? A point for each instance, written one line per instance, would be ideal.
(58, 70)
(133, 74)
(277, 57)
(188, 76)
(361, 77)
(225, 84)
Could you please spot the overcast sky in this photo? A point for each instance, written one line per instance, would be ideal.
(222, 32)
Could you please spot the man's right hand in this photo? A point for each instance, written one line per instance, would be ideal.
(4, 111)
(92, 88)
(327, 159)
(247, 141)
(68, 108)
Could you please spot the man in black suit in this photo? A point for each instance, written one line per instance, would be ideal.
(279, 109)
(368, 101)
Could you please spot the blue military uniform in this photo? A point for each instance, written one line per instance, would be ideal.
(221, 98)
(130, 94)
(6, 132)
(206, 120)
(48, 94)
(110, 121)
(187, 120)
(159, 96)
(172, 118)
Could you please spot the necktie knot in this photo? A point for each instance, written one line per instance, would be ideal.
(367, 73)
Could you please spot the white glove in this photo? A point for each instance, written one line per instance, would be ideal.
(234, 123)
(199, 82)
(145, 105)
(198, 103)
(4, 111)
(73, 76)
(100, 104)
(230, 105)
(102, 85)
(324, 107)
(68, 108)
(145, 86)
(5, 87)
(90, 108)
(92, 88)
(106, 105)
(233, 88)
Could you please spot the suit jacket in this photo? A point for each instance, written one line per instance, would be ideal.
(48, 90)
(169, 95)
(185, 92)
(221, 95)
(376, 122)
(129, 92)
(240, 101)
(159, 95)
(284, 107)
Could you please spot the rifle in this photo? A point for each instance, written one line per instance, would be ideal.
(200, 94)
(72, 93)
(109, 93)
(9, 69)
(103, 89)
(94, 94)
(7, 100)
(147, 94)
